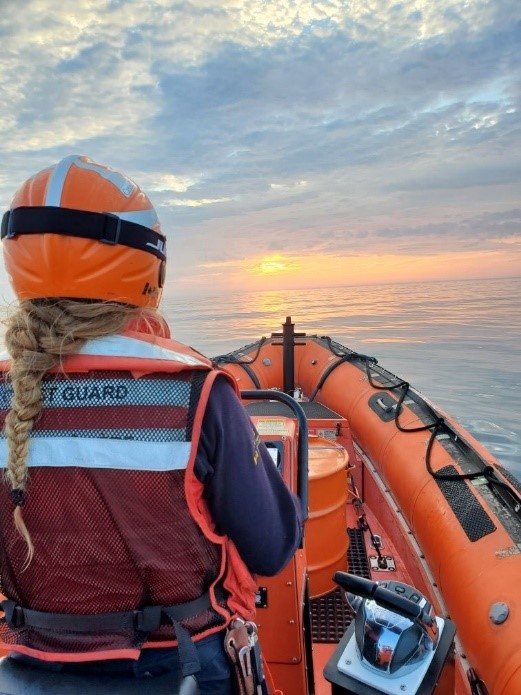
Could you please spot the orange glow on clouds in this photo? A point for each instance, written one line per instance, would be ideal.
(279, 271)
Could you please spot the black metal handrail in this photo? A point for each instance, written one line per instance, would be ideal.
(302, 443)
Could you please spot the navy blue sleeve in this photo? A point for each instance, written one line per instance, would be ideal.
(245, 493)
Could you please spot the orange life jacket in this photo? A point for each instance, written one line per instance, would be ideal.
(126, 553)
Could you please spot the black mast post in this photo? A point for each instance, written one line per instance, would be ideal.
(288, 343)
(288, 357)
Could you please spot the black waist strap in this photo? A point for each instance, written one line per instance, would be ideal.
(146, 619)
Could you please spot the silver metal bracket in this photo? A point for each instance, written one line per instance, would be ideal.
(391, 564)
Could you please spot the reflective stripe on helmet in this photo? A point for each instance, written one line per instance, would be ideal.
(146, 218)
(59, 176)
(54, 251)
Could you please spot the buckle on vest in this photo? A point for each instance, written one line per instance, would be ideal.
(148, 619)
(14, 614)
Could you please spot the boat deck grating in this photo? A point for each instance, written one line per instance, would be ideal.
(330, 617)
(357, 555)
(330, 614)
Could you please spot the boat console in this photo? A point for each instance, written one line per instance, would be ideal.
(395, 643)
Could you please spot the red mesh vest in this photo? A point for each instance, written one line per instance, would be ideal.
(115, 512)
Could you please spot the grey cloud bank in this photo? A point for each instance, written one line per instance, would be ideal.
(326, 127)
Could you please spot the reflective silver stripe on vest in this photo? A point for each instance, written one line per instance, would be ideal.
(103, 452)
(125, 346)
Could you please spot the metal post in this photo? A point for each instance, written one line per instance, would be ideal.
(288, 357)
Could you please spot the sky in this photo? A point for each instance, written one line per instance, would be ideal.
(284, 144)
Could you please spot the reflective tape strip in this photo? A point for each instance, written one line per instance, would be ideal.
(146, 218)
(131, 455)
(59, 175)
(125, 185)
(56, 182)
(124, 346)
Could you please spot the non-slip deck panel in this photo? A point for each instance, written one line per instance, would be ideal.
(357, 554)
(331, 614)
(312, 410)
(515, 482)
(473, 519)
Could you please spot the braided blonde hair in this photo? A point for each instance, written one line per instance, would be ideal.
(39, 334)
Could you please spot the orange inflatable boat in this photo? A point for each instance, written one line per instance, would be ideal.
(405, 507)
(408, 579)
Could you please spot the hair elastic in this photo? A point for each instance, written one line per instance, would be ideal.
(18, 497)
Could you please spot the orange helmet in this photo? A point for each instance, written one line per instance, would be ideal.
(82, 230)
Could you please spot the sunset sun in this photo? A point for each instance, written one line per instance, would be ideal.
(270, 265)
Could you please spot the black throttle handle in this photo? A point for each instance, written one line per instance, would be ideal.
(360, 586)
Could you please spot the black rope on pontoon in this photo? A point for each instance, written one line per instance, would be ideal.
(487, 472)
(344, 358)
(232, 358)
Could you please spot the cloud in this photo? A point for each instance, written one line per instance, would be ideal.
(192, 202)
(319, 126)
(168, 182)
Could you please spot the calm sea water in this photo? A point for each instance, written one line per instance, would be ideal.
(459, 343)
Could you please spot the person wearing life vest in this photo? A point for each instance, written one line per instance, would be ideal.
(137, 500)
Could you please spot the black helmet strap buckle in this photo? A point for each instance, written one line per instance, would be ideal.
(112, 229)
